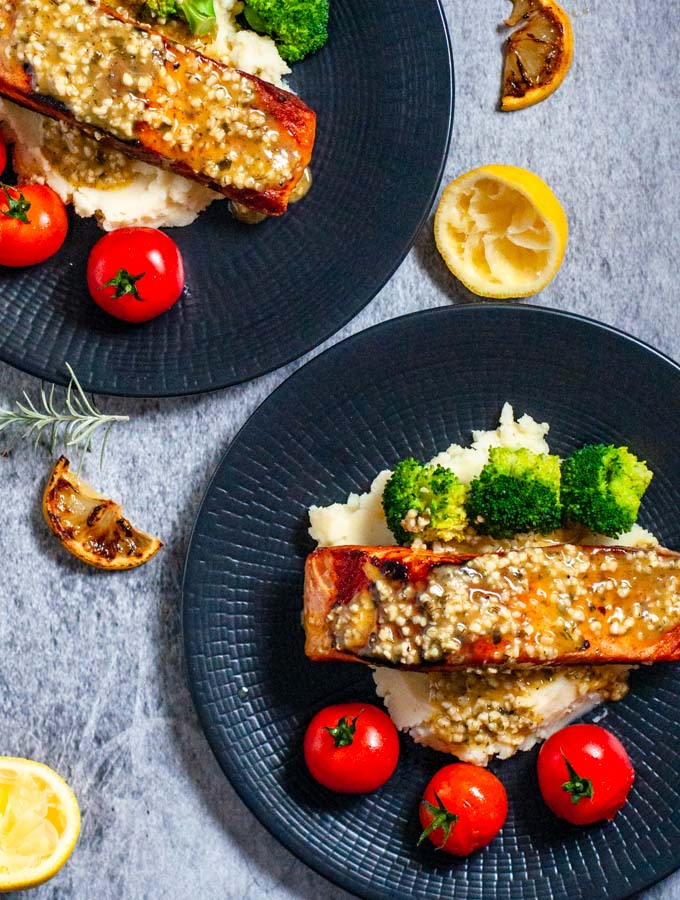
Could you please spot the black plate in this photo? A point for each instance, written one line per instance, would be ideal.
(414, 385)
(260, 297)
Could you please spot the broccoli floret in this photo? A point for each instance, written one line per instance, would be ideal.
(198, 14)
(299, 27)
(516, 492)
(424, 501)
(602, 487)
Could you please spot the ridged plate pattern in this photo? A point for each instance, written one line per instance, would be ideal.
(412, 386)
(258, 297)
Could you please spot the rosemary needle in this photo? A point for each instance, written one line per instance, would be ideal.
(75, 424)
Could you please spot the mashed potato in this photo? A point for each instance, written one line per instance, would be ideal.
(139, 195)
(104, 183)
(358, 521)
(478, 715)
(475, 714)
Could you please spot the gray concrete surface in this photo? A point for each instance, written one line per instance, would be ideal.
(91, 666)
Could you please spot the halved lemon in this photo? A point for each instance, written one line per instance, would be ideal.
(92, 527)
(39, 823)
(537, 55)
(501, 231)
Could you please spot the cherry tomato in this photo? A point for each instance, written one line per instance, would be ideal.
(463, 809)
(33, 224)
(351, 748)
(135, 274)
(584, 774)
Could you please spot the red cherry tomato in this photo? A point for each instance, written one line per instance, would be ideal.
(33, 224)
(584, 774)
(463, 809)
(135, 274)
(351, 748)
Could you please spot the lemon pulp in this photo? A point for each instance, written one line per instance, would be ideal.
(39, 823)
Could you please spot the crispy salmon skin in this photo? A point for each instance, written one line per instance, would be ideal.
(554, 605)
(121, 82)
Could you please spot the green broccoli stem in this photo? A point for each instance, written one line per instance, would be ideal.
(199, 15)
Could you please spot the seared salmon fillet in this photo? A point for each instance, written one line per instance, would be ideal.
(123, 83)
(554, 605)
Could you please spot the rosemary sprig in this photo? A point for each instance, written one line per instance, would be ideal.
(76, 424)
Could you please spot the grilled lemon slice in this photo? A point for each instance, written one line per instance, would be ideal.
(39, 823)
(92, 527)
(537, 55)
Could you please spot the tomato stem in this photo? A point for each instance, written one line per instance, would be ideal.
(17, 207)
(124, 283)
(441, 818)
(343, 733)
(578, 787)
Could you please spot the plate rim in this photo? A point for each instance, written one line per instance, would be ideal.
(141, 394)
(251, 800)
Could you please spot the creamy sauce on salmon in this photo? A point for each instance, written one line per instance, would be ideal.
(538, 603)
(129, 82)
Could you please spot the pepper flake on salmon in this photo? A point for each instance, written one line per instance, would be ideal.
(125, 84)
(554, 605)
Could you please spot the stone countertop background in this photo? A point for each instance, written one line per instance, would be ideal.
(91, 673)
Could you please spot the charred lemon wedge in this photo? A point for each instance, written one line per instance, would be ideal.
(92, 527)
(537, 55)
(39, 823)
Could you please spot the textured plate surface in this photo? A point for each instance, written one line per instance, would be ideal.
(412, 386)
(259, 297)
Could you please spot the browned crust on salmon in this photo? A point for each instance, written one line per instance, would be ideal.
(291, 115)
(334, 575)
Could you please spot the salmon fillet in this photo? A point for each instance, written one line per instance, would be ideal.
(545, 606)
(154, 99)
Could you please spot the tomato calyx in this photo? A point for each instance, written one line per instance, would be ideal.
(124, 283)
(578, 787)
(441, 818)
(343, 732)
(17, 207)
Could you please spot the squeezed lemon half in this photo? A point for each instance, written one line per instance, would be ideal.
(501, 231)
(39, 823)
